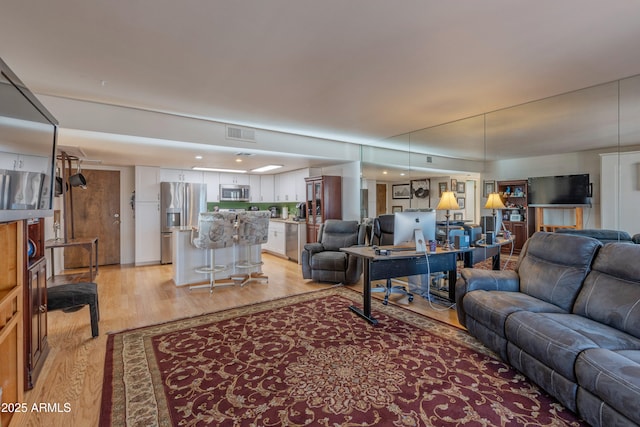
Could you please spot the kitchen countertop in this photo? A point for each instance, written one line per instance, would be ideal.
(289, 221)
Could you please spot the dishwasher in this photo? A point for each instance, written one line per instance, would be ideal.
(291, 241)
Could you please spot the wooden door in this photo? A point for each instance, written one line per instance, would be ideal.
(96, 213)
(381, 199)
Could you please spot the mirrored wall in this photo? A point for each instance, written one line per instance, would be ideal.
(593, 131)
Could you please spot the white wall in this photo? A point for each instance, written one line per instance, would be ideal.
(621, 200)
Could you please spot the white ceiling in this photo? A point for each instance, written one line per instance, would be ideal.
(357, 71)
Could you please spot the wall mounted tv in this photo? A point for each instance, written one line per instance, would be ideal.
(28, 134)
(560, 190)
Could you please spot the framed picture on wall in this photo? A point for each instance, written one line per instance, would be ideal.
(401, 191)
(458, 216)
(454, 184)
(460, 188)
(420, 188)
(461, 202)
(488, 188)
(395, 209)
(442, 186)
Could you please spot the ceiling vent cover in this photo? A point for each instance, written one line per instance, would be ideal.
(241, 134)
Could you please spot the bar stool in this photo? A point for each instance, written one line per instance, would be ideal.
(253, 231)
(216, 230)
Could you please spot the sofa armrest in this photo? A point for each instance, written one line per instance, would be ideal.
(472, 279)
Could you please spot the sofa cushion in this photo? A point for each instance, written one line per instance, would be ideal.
(491, 308)
(553, 266)
(556, 339)
(612, 376)
(611, 292)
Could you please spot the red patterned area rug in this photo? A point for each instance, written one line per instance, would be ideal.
(308, 360)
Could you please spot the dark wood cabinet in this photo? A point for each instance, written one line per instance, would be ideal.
(35, 303)
(324, 201)
(518, 230)
(518, 218)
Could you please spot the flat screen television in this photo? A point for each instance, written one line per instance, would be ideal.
(28, 134)
(559, 190)
(405, 224)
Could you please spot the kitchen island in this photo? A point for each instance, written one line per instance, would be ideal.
(286, 238)
(187, 258)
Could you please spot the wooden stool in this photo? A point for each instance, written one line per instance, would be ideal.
(72, 295)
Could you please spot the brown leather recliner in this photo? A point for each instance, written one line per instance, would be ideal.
(323, 261)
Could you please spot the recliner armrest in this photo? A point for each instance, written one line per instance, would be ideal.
(313, 247)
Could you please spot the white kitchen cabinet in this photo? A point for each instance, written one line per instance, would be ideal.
(234, 178)
(212, 179)
(147, 184)
(276, 240)
(254, 193)
(299, 184)
(21, 162)
(147, 233)
(267, 188)
(284, 187)
(180, 175)
(290, 186)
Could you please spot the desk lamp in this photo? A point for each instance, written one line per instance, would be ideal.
(494, 202)
(447, 202)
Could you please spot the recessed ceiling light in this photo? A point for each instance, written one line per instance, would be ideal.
(401, 173)
(198, 157)
(238, 160)
(266, 168)
(384, 172)
(202, 168)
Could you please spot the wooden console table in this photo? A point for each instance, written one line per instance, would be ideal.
(89, 243)
(541, 226)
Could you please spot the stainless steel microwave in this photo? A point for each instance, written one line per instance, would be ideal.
(234, 193)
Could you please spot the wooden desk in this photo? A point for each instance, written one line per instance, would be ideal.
(89, 243)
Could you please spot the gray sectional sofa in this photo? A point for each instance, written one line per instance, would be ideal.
(568, 318)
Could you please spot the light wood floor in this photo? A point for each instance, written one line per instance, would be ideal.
(131, 297)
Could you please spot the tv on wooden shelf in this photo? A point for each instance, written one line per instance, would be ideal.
(28, 134)
(560, 190)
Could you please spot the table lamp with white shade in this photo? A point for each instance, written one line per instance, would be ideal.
(447, 203)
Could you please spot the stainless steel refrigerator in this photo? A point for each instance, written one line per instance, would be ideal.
(180, 205)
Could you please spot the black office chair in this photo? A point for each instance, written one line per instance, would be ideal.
(383, 236)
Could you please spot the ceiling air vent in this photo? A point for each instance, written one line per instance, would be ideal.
(241, 134)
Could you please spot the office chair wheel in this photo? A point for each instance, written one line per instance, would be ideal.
(385, 301)
(410, 298)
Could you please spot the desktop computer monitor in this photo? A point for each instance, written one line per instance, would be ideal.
(405, 224)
